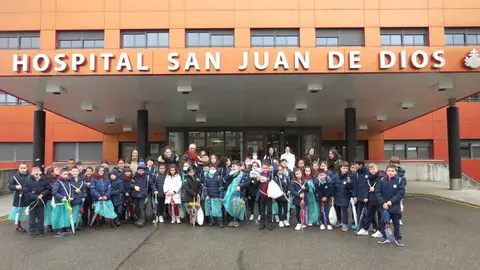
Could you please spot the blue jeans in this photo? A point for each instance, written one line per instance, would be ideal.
(36, 218)
(396, 226)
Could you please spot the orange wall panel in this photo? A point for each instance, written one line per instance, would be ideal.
(214, 4)
(344, 4)
(24, 6)
(339, 18)
(20, 21)
(404, 18)
(80, 6)
(144, 5)
(404, 4)
(463, 4)
(77, 20)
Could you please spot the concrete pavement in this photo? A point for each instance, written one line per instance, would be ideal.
(469, 195)
(437, 234)
(5, 205)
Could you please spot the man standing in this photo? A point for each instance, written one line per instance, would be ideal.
(191, 156)
(289, 157)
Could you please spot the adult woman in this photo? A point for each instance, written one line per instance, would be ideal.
(168, 157)
(132, 161)
(272, 154)
(333, 160)
(310, 157)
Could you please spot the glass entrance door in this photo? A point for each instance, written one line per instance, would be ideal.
(292, 141)
(273, 141)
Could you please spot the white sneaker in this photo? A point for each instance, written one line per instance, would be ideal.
(178, 220)
(298, 227)
(155, 220)
(401, 223)
(322, 227)
(277, 219)
(280, 224)
(252, 217)
(391, 221)
(362, 232)
(160, 219)
(377, 234)
(329, 227)
(173, 221)
(259, 217)
(310, 224)
(304, 226)
(286, 223)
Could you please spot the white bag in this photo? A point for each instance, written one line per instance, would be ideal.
(332, 216)
(274, 191)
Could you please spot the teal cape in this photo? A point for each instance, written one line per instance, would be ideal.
(21, 210)
(313, 210)
(60, 216)
(104, 209)
(234, 205)
(47, 214)
(213, 207)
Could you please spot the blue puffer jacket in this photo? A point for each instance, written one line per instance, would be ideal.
(145, 183)
(22, 180)
(213, 186)
(323, 189)
(360, 188)
(118, 192)
(296, 190)
(61, 189)
(77, 197)
(34, 188)
(100, 187)
(391, 190)
(159, 180)
(401, 174)
(341, 189)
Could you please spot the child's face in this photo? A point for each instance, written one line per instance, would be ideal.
(205, 168)
(284, 164)
(80, 168)
(173, 171)
(191, 173)
(242, 167)
(353, 168)
(128, 174)
(323, 166)
(74, 173)
(315, 166)
(265, 168)
(298, 175)
(373, 170)
(205, 159)
(391, 172)
(88, 172)
(280, 171)
(308, 172)
(101, 171)
(113, 177)
(344, 170)
(254, 166)
(121, 164)
(105, 165)
(64, 175)
(22, 169)
(396, 164)
(36, 172)
(235, 168)
(56, 171)
(212, 170)
(149, 163)
(322, 176)
(301, 164)
(162, 169)
(275, 162)
(141, 171)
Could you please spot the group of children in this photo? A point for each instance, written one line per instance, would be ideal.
(69, 199)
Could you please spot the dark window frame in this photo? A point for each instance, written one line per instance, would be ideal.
(81, 37)
(144, 33)
(18, 37)
(464, 33)
(472, 98)
(274, 34)
(406, 144)
(76, 154)
(404, 32)
(211, 33)
(340, 35)
(4, 100)
(469, 144)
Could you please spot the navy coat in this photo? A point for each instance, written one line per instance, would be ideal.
(159, 180)
(323, 189)
(118, 192)
(145, 182)
(296, 190)
(22, 180)
(194, 188)
(283, 182)
(100, 187)
(341, 189)
(77, 197)
(401, 174)
(213, 186)
(61, 190)
(88, 198)
(373, 182)
(391, 190)
(360, 189)
(34, 188)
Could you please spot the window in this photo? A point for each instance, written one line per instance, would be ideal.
(6, 99)
(16, 152)
(339, 37)
(19, 40)
(408, 149)
(472, 98)
(80, 39)
(403, 37)
(210, 38)
(156, 149)
(274, 37)
(340, 146)
(84, 151)
(470, 149)
(145, 39)
(462, 36)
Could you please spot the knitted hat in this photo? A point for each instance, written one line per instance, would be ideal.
(141, 165)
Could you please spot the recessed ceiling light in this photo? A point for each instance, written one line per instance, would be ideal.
(201, 119)
(193, 107)
(184, 89)
(127, 128)
(291, 118)
(314, 88)
(407, 104)
(300, 106)
(362, 127)
(110, 120)
(86, 106)
(381, 118)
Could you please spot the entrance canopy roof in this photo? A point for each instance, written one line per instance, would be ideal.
(244, 100)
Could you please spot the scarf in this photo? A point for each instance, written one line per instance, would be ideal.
(193, 156)
(169, 160)
(308, 177)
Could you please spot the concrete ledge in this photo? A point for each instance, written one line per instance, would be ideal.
(477, 206)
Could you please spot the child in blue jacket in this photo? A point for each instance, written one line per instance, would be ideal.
(299, 190)
(118, 197)
(19, 180)
(213, 192)
(62, 193)
(323, 190)
(159, 179)
(36, 189)
(360, 187)
(141, 186)
(79, 193)
(342, 184)
(395, 161)
(284, 183)
(101, 190)
(390, 191)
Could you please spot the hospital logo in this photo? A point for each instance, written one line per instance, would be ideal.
(473, 59)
